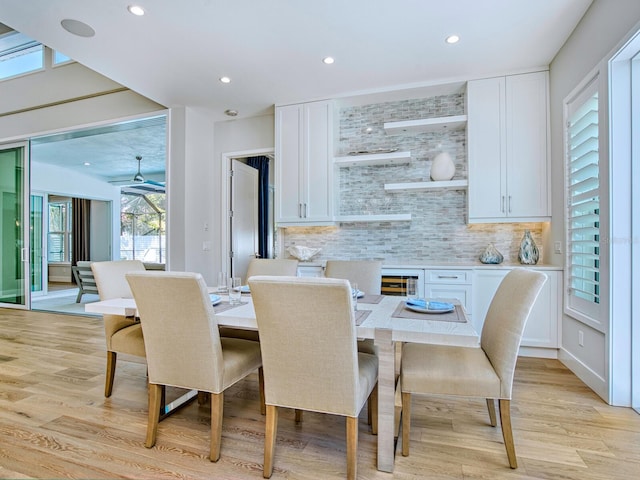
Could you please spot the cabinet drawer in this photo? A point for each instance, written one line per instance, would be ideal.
(460, 292)
(448, 276)
(310, 271)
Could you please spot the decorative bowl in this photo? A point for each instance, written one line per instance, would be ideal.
(304, 254)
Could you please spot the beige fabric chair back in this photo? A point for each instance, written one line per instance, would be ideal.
(180, 332)
(505, 322)
(110, 277)
(366, 273)
(308, 342)
(272, 266)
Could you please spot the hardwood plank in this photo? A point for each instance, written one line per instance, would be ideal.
(56, 423)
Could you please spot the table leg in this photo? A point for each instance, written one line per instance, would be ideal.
(386, 399)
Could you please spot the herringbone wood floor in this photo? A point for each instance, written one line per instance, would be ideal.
(56, 423)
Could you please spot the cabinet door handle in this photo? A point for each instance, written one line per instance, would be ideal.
(448, 276)
(299, 210)
(305, 210)
(502, 206)
(509, 203)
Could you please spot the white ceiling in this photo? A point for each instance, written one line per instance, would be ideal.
(272, 49)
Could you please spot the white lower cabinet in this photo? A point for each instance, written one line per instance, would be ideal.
(452, 284)
(541, 331)
(310, 271)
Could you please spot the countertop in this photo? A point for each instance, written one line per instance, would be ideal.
(406, 265)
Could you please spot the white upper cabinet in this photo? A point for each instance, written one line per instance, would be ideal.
(507, 135)
(304, 169)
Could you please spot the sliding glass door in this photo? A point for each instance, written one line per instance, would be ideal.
(14, 225)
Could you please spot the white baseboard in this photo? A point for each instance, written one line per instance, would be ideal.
(594, 381)
(538, 352)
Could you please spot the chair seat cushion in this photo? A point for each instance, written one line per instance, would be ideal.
(367, 377)
(128, 340)
(448, 370)
(240, 358)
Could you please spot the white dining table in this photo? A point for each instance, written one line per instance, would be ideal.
(380, 325)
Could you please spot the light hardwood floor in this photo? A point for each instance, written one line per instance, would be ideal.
(56, 423)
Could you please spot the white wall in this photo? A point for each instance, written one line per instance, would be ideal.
(59, 181)
(241, 135)
(604, 25)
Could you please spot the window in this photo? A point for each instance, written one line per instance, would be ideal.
(19, 54)
(583, 202)
(143, 221)
(60, 58)
(59, 234)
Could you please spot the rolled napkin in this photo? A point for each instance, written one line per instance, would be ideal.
(430, 305)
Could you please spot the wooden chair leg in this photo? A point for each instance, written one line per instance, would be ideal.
(352, 447)
(155, 403)
(373, 409)
(203, 398)
(298, 415)
(111, 373)
(406, 422)
(271, 427)
(217, 404)
(263, 408)
(507, 434)
(491, 406)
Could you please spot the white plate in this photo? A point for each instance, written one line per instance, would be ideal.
(360, 293)
(215, 299)
(245, 289)
(418, 309)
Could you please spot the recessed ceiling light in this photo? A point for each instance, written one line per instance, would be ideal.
(451, 39)
(77, 27)
(231, 113)
(328, 60)
(225, 79)
(86, 164)
(136, 10)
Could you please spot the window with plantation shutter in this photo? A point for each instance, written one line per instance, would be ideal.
(583, 202)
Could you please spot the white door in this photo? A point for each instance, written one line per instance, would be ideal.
(244, 217)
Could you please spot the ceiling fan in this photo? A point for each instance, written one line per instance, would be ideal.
(138, 177)
(139, 180)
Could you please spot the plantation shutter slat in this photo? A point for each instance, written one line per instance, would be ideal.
(583, 197)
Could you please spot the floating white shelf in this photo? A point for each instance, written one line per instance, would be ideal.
(393, 158)
(422, 186)
(403, 217)
(453, 122)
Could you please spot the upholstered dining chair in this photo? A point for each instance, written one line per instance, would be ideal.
(123, 334)
(272, 266)
(476, 372)
(317, 368)
(366, 273)
(184, 348)
(262, 266)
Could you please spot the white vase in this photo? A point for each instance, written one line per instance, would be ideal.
(442, 167)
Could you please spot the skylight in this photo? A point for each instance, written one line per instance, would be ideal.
(19, 54)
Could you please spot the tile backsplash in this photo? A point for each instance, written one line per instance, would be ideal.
(437, 231)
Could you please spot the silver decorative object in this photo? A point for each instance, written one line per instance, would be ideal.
(491, 255)
(528, 254)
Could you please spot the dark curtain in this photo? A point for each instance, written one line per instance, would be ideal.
(80, 229)
(261, 163)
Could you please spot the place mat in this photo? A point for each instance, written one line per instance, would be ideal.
(370, 299)
(402, 311)
(361, 316)
(224, 306)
